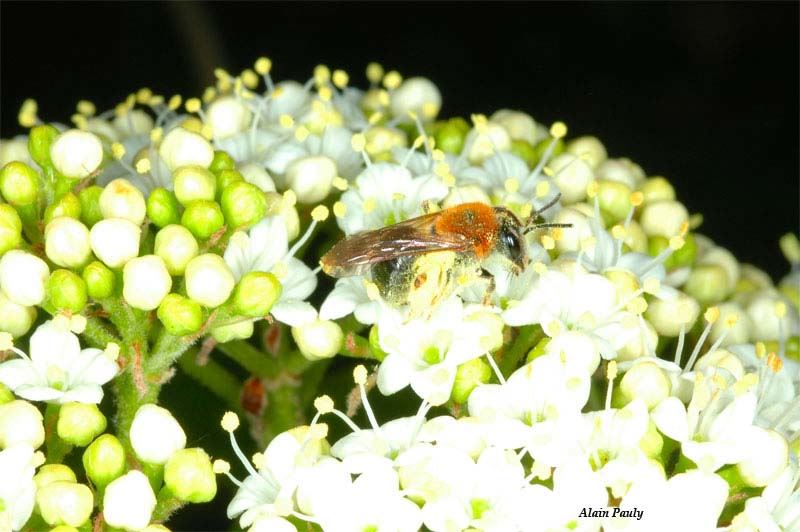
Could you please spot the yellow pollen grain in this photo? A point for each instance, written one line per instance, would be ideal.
(323, 404)
(684, 229)
(322, 74)
(548, 242)
(730, 320)
(143, 166)
(263, 65)
(478, 120)
(780, 309)
(258, 460)
(383, 98)
(392, 80)
(156, 134)
(155, 100)
(441, 169)
(174, 102)
(220, 467)
(618, 232)
(120, 109)
(320, 213)
(325, 93)
(130, 101)
(637, 198)
(374, 72)
(339, 209)
(144, 95)
(86, 108)
(360, 375)
(249, 78)
(301, 133)
(711, 315)
(638, 305)
(221, 73)
(558, 130)
(369, 205)
(774, 362)
(340, 78)
(438, 155)
(340, 183)
(230, 421)
(511, 185)
(286, 121)
(358, 142)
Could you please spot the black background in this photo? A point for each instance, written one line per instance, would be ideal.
(705, 94)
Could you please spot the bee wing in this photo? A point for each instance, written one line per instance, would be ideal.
(357, 253)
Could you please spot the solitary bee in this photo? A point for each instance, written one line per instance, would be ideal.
(421, 261)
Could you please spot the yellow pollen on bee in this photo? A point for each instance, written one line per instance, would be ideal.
(780, 309)
(375, 117)
(592, 189)
(220, 467)
(761, 350)
(143, 166)
(156, 134)
(322, 74)
(6, 341)
(358, 142)
(651, 285)
(263, 65)
(429, 109)
(174, 102)
(209, 94)
(774, 362)
(320, 213)
(374, 72)
(676, 242)
(637, 198)
(249, 78)
(340, 183)
(539, 267)
(360, 375)
(372, 290)
(230, 421)
(558, 130)
(711, 315)
(258, 460)
(86, 108)
(340, 78)
(27, 113)
(80, 121)
(144, 95)
(511, 185)
(325, 93)
(542, 189)
(286, 121)
(369, 205)
(392, 80)
(301, 133)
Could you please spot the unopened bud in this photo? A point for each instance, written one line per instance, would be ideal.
(572, 175)
(615, 200)
(129, 501)
(66, 291)
(89, 199)
(80, 423)
(451, 135)
(104, 460)
(65, 503)
(20, 422)
(318, 339)
(76, 153)
(67, 205)
(146, 282)
(203, 218)
(176, 245)
(645, 381)
(163, 208)
(239, 330)
(49, 473)
(588, 149)
(155, 434)
(256, 293)
(707, 284)
(23, 277)
(19, 183)
(15, 319)
(416, 95)
(120, 199)
(669, 316)
(768, 454)
(194, 183)
(40, 140)
(67, 242)
(468, 376)
(180, 315)
(243, 205)
(99, 280)
(181, 147)
(311, 178)
(209, 280)
(10, 228)
(190, 477)
(657, 189)
(664, 218)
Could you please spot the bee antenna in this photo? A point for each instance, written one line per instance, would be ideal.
(530, 225)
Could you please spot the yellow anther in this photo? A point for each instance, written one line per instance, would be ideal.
(143, 166)
(120, 109)
(301, 133)
(27, 113)
(441, 169)
(745, 384)
(429, 110)
(558, 130)
(175, 102)
(6, 341)
(207, 131)
(618, 232)
(130, 101)
(79, 121)
(320, 213)
(221, 73)
(249, 78)
(209, 94)
(323, 404)
(780, 309)
(230, 421)
(340, 78)
(548, 171)
(651, 285)
(360, 375)
(258, 460)
(790, 247)
(339, 209)
(611, 370)
(392, 80)
(325, 93)
(289, 198)
(638, 305)
(155, 100)
(548, 242)
(86, 108)
(340, 183)
(383, 98)
(111, 350)
(358, 142)
(438, 155)
(711, 314)
(220, 467)
(375, 117)
(143, 96)
(774, 362)
(511, 185)
(480, 122)
(156, 134)
(592, 189)
(539, 267)
(418, 142)
(263, 65)
(374, 72)
(684, 229)
(676, 242)
(193, 105)
(286, 121)
(637, 198)
(449, 180)
(372, 290)
(322, 74)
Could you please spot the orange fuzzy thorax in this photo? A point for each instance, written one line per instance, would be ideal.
(476, 221)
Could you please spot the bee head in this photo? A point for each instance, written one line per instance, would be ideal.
(510, 242)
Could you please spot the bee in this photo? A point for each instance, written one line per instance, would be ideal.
(423, 260)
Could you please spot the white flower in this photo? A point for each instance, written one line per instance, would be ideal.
(778, 506)
(76, 153)
(58, 370)
(18, 464)
(128, 502)
(23, 277)
(155, 434)
(266, 249)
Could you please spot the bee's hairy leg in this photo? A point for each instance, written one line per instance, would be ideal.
(487, 297)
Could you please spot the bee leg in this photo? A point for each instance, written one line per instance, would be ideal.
(487, 297)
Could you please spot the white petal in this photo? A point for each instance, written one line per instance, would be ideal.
(16, 373)
(51, 345)
(671, 419)
(294, 313)
(84, 393)
(38, 393)
(394, 374)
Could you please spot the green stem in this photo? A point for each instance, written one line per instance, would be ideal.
(526, 339)
(129, 399)
(166, 505)
(251, 359)
(356, 346)
(56, 447)
(215, 378)
(166, 351)
(98, 335)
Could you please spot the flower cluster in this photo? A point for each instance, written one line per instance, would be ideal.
(628, 363)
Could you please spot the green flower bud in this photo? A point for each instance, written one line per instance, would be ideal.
(209, 280)
(68, 205)
(468, 376)
(221, 161)
(525, 151)
(240, 330)
(255, 294)
(645, 381)
(318, 339)
(685, 255)
(20, 422)
(450, 137)
(65, 503)
(176, 245)
(189, 476)
(15, 319)
(194, 183)
(80, 423)
(40, 139)
(67, 242)
(538, 350)
(723, 258)
(10, 228)
(163, 207)
(243, 205)
(49, 473)
(615, 200)
(226, 178)
(707, 284)
(146, 282)
(588, 148)
(19, 183)
(657, 189)
(99, 280)
(104, 460)
(203, 218)
(180, 315)
(66, 291)
(120, 199)
(89, 199)
(6, 395)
